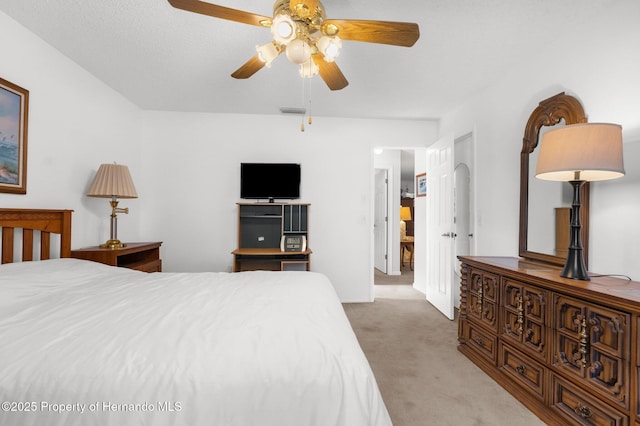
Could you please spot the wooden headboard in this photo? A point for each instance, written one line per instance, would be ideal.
(28, 220)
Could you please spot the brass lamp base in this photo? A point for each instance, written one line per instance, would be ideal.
(113, 244)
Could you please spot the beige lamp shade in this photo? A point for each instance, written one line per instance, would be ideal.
(405, 213)
(588, 152)
(112, 180)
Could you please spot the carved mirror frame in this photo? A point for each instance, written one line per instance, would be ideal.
(549, 112)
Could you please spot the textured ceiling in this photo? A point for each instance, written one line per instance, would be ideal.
(162, 58)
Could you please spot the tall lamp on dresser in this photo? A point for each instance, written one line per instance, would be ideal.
(576, 154)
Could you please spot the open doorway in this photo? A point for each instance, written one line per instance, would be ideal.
(399, 218)
(461, 211)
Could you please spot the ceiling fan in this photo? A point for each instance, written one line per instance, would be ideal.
(301, 31)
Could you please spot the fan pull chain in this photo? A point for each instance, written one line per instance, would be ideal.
(302, 121)
(310, 117)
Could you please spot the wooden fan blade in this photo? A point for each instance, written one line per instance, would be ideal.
(303, 8)
(330, 73)
(222, 12)
(383, 32)
(249, 68)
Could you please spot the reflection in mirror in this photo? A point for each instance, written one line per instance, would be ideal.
(549, 209)
(542, 204)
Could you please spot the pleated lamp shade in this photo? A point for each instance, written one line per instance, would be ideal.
(112, 180)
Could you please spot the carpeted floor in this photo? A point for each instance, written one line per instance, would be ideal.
(423, 378)
(405, 277)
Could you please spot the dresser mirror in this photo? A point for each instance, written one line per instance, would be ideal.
(544, 203)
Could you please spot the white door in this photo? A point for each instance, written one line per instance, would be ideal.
(380, 221)
(440, 228)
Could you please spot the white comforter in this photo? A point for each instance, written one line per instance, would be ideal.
(88, 344)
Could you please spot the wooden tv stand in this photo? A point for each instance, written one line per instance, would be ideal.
(260, 229)
(251, 259)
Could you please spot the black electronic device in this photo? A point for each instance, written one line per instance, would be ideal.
(269, 181)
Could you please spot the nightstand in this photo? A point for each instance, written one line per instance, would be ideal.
(139, 256)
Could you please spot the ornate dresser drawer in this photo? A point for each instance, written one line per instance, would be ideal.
(591, 343)
(482, 341)
(525, 317)
(579, 407)
(529, 373)
(483, 298)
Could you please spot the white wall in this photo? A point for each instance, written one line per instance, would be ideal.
(600, 68)
(75, 124)
(191, 173)
(615, 230)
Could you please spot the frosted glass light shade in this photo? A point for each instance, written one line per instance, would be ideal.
(267, 53)
(283, 29)
(589, 152)
(112, 180)
(298, 51)
(330, 47)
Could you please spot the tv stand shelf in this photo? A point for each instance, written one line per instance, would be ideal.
(261, 226)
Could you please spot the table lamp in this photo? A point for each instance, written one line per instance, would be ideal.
(405, 214)
(576, 154)
(113, 181)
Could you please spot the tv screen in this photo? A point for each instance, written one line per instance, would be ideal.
(270, 181)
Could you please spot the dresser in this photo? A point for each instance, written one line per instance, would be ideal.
(569, 350)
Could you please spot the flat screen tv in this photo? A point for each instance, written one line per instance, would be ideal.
(270, 181)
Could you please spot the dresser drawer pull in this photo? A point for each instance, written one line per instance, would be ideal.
(479, 341)
(520, 320)
(521, 369)
(480, 296)
(584, 412)
(583, 345)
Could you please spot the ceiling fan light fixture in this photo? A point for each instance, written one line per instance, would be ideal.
(283, 29)
(303, 23)
(308, 69)
(330, 47)
(267, 53)
(298, 51)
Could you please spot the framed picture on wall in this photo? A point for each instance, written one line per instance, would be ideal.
(421, 185)
(14, 111)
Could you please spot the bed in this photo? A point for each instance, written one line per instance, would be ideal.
(88, 344)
